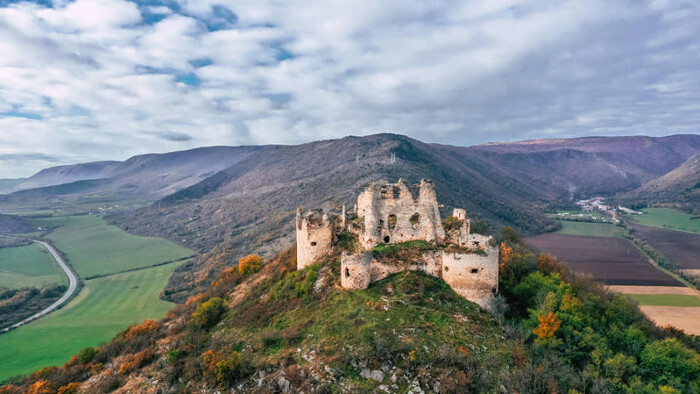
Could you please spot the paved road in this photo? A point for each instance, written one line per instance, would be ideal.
(71, 288)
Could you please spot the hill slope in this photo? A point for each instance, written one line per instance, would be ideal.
(281, 330)
(681, 185)
(250, 205)
(140, 179)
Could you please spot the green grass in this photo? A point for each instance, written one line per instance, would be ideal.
(94, 247)
(666, 299)
(590, 229)
(668, 218)
(104, 307)
(28, 265)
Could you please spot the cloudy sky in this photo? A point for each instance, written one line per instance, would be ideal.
(107, 79)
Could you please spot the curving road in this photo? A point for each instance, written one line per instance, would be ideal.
(73, 285)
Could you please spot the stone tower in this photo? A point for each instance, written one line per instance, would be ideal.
(314, 237)
(393, 214)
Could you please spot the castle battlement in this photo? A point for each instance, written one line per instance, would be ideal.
(391, 213)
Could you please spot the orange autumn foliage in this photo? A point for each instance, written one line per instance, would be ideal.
(506, 254)
(249, 264)
(195, 299)
(133, 361)
(548, 325)
(547, 263)
(230, 273)
(70, 388)
(42, 386)
(147, 326)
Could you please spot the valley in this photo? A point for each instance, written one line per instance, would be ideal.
(140, 245)
(122, 277)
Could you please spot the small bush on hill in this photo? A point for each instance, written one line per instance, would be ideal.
(209, 312)
(250, 264)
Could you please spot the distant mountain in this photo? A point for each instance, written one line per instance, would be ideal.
(143, 178)
(246, 197)
(251, 204)
(593, 165)
(9, 185)
(681, 185)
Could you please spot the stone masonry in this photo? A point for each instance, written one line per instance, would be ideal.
(391, 213)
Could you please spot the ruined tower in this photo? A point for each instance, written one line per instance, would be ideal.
(314, 237)
(393, 214)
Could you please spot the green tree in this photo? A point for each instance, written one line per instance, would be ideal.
(670, 363)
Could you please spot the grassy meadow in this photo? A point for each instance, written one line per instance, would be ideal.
(94, 247)
(666, 299)
(586, 229)
(104, 307)
(668, 218)
(29, 266)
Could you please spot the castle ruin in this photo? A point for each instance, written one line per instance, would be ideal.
(394, 213)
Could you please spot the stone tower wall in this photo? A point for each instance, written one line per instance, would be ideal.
(388, 210)
(471, 275)
(314, 238)
(355, 270)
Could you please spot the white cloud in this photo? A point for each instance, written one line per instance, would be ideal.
(97, 79)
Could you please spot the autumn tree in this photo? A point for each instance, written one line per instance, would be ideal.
(548, 326)
(250, 264)
(209, 313)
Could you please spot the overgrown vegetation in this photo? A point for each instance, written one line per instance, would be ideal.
(286, 330)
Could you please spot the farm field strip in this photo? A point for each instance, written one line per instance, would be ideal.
(94, 247)
(104, 307)
(612, 261)
(681, 247)
(650, 290)
(666, 299)
(682, 317)
(30, 266)
(668, 218)
(586, 229)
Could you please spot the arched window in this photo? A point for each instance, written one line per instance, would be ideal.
(347, 272)
(387, 239)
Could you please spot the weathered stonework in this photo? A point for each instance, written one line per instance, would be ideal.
(391, 213)
(314, 237)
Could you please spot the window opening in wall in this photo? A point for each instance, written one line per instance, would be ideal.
(313, 243)
(475, 270)
(387, 239)
(447, 268)
(347, 273)
(381, 223)
(392, 221)
(493, 290)
(415, 219)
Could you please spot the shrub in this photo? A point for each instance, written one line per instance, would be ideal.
(452, 223)
(42, 386)
(250, 264)
(209, 313)
(147, 326)
(70, 388)
(86, 354)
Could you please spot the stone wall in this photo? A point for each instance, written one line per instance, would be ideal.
(314, 237)
(392, 214)
(355, 270)
(472, 275)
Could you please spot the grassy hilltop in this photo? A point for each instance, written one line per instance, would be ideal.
(279, 329)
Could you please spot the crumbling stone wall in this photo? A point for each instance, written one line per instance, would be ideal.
(355, 270)
(314, 237)
(392, 214)
(474, 276)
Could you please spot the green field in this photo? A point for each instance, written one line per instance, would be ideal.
(94, 247)
(590, 229)
(30, 266)
(104, 307)
(666, 299)
(668, 218)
